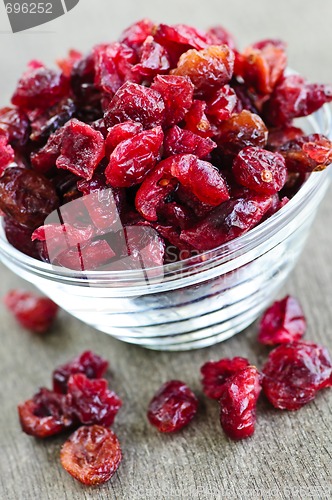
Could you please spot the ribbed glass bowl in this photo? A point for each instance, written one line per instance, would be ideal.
(194, 303)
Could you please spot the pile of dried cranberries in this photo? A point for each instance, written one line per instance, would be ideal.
(293, 374)
(168, 128)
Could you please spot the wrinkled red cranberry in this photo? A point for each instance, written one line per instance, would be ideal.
(90, 401)
(26, 196)
(31, 311)
(20, 237)
(173, 407)
(307, 153)
(220, 36)
(222, 104)
(294, 373)
(82, 148)
(181, 34)
(7, 155)
(50, 120)
(199, 176)
(88, 363)
(196, 120)
(238, 401)
(259, 170)
(216, 373)
(136, 103)
(136, 34)
(179, 141)
(87, 256)
(45, 158)
(44, 415)
(91, 455)
(121, 132)
(294, 97)
(154, 59)
(40, 88)
(283, 322)
(177, 93)
(134, 158)
(279, 136)
(320, 150)
(16, 124)
(232, 219)
(208, 69)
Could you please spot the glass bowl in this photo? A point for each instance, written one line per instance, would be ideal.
(197, 302)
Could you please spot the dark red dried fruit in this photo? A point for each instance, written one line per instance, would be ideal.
(136, 103)
(134, 158)
(283, 322)
(45, 158)
(177, 93)
(179, 141)
(90, 401)
(121, 132)
(40, 88)
(208, 69)
(232, 219)
(216, 373)
(307, 153)
(294, 373)
(154, 59)
(238, 403)
(82, 149)
(16, 125)
(136, 34)
(240, 131)
(20, 237)
(199, 176)
(44, 415)
(279, 136)
(259, 170)
(180, 34)
(173, 407)
(91, 455)
(89, 256)
(196, 120)
(294, 97)
(27, 196)
(7, 155)
(222, 104)
(48, 121)
(88, 363)
(220, 36)
(31, 311)
(66, 65)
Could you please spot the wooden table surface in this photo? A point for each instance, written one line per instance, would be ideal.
(290, 453)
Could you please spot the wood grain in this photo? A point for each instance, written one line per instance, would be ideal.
(290, 455)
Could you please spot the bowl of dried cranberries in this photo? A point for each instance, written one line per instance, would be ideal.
(162, 187)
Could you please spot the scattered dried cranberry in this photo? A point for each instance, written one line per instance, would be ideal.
(294, 373)
(222, 104)
(238, 401)
(31, 311)
(121, 132)
(179, 141)
(259, 170)
(172, 407)
(91, 455)
(7, 155)
(20, 237)
(44, 415)
(88, 363)
(283, 322)
(216, 373)
(16, 125)
(177, 93)
(82, 148)
(136, 34)
(90, 401)
(196, 120)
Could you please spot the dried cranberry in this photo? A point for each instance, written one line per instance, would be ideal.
(294, 373)
(153, 60)
(232, 219)
(203, 180)
(319, 149)
(45, 158)
(173, 407)
(20, 237)
(82, 149)
(283, 322)
(179, 141)
(31, 311)
(216, 373)
(220, 36)
(135, 35)
(279, 136)
(133, 102)
(26, 196)
(307, 153)
(134, 158)
(16, 125)
(238, 403)
(44, 415)
(177, 93)
(90, 401)
(222, 104)
(66, 65)
(113, 65)
(91, 455)
(294, 97)
(85, 257)
(196, 120)
(240, 131)
(50, 120)
(259, 170)
(40, 88)
(180, 35)
(7, 154)
(89, 363)
(121, 132)
(263, 65)
(208, 69)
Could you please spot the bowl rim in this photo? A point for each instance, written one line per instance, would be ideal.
(217, 256)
